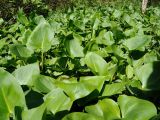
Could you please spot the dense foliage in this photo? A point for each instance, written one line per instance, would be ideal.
(86, 63)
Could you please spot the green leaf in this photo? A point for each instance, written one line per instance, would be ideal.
(105, 38)
(130, 32)
(41, 37)
(2, 43)
(80, 116)
(82, 88)
(114, 88)
(11, 95)
(95, 81)
(137, 42)
(78, 37)
(148, 74)
(25, 36)
(79, 24)
(25, 75)
(34, 113)
(96, 24)
(20, 51)
(66, 79)
(132, 107)
(111, 70)
(18, 112)
(129, 71)
(96, 63)
(150, 57)
(22, 18)
(4, 116)
(117, 50)
(117, 13)
(129, 20)
(75, 90)
(43, 84)
(57, 101)
(1, 21)
(39, 19)
(157, 117)
(106, 109)
(56, 26)
(74, 48)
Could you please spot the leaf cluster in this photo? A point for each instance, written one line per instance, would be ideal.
(87, 63)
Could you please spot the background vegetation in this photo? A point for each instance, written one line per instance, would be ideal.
(79, 60)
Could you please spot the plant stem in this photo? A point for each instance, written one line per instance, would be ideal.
(42, 60)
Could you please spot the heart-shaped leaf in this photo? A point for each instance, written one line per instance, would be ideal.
(11, 95)
(106, 109)
(96, 63)
(132, 107)
(129, 107)
(41, 37)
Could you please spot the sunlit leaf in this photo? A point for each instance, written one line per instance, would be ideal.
(25, 75)
(105, 38)
(137, 42)
(82, 88)
(80, 116)
(148, 74)
(106, 109)
(57, 101)
(129, 71)
(117, 14)
(127, 107)
(114, 88)
(41, 37)
(95, 81)
(96, 63)
(11, 95)
(133, 107)
(74, 48)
